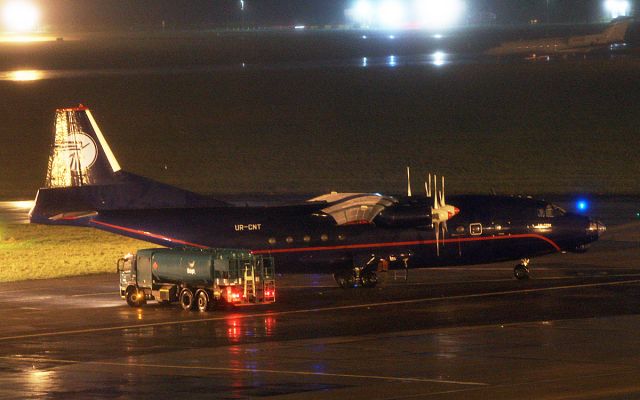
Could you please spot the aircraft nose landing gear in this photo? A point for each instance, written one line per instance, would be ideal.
(521, 271)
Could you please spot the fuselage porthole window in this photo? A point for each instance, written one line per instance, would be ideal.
(324, 237)
(272, 241)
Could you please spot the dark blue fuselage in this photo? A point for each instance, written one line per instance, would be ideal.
(302, 238)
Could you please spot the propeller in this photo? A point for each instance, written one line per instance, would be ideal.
(441, 212)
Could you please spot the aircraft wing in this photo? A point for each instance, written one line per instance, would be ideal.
(354, 208)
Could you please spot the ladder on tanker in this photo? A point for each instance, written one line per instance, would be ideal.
(249, 282)
(269, 280)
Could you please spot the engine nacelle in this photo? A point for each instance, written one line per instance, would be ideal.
(405, 216)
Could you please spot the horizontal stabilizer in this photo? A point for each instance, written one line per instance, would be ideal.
(84, 177)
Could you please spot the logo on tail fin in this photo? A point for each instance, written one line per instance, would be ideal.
(79, 154)
(82, 151)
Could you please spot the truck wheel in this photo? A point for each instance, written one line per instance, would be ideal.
(202, 300)
(186, 300)
(134, 297)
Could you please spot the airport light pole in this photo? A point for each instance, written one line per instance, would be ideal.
(547, 18)
(242, 8)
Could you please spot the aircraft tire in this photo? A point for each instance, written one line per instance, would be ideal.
(521, 272)
(202, 300)
(187, 300)
(344, 279)
(134, 297)
(369, 280)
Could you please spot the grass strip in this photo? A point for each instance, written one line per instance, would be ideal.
(42, 252)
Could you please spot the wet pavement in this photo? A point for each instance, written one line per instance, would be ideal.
(469, 333)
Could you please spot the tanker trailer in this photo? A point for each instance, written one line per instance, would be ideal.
(197, 279)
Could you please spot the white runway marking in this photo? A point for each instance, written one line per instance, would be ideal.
(308, 286)
(245, 370)
(549, 278)
(317, 310)
(114, 293)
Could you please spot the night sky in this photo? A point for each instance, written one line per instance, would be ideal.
(184, 14)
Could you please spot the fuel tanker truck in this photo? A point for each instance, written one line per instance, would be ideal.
(197, 279)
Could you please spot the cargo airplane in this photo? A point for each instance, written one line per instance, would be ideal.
(347, 234)
(563, 46)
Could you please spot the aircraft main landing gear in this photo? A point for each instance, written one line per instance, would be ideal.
(521, 271)
(358, 277)
(345, 279)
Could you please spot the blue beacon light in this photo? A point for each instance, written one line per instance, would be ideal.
(582, 205)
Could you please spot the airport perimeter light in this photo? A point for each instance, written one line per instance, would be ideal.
(362, 13)
(617, 8)
(21, 16)
(439, 14)
(392, 14)
(402, 14)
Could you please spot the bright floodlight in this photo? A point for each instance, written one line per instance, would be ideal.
(21, 16)
(439, 14)
(439, 58)
(362, 12)
(617, 8)
(392, 14)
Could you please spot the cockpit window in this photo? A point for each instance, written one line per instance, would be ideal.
(558, 212)
(550, 211)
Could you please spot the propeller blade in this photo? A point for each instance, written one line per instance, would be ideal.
(409, 181)
(435, 192)
(428, 187)
(437, 229)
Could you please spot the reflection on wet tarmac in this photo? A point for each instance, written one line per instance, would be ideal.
(27, 39)
(234, 331)
(40, 381)
(15, 212)
(437, 59)
(22, 75)
(240, 328)
(269, 326)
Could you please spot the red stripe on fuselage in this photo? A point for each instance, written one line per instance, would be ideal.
(149, 234)
(342, 247)
(412, 243)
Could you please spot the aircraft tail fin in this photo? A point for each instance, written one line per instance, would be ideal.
(84, 177)
(80, 155)
(617, 32)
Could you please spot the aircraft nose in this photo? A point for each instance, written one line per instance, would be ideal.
(596, 227)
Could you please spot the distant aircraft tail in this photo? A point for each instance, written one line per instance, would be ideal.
(617, 32)
(84, 177)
